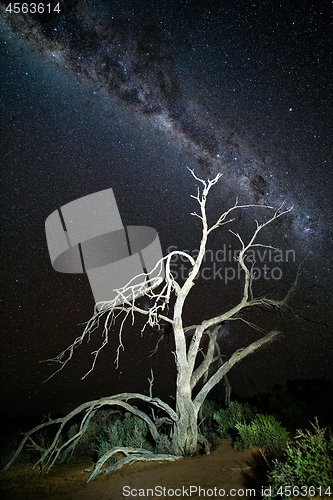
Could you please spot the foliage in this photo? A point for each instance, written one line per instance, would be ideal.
(207, 423)
(264, 431)
(307, 462)
(131, 431)
(163, 445)
(87, 444)
(236, 413)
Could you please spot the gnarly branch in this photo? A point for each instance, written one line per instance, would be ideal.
(106, 314)
(131, 455)
(208, 358)
(241, 258)
(57, 450)
(201, 199)
(225, 368)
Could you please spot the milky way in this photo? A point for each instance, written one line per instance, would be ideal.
(131, 55)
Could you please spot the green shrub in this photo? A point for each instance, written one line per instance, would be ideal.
(207, 424)
(307, 462)
(263, 431)
(236, 413)
(87, 443)
(130, 432)
(163, 445)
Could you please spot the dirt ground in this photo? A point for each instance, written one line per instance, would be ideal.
(239, 474)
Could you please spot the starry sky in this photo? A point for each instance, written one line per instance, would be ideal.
(126, 95)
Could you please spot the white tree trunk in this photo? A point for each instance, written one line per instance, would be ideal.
(185, 430)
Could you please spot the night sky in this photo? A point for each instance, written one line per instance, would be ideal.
(126, 95)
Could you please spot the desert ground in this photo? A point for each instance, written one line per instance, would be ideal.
(237, 473)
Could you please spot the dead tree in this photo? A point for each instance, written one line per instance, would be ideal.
(167, 305)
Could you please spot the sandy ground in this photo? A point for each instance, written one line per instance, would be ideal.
(236, 474)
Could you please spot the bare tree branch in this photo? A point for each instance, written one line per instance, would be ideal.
(208, 358)
(131, 455)
(55, 450)
(225, 368)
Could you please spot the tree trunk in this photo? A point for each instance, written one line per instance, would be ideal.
(185, 431)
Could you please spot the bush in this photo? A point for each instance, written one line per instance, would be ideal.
(130, 432)
(263, 431)
(207, 424)
(163, 445)
(236, 413)
(87, 443)
(307, 462)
